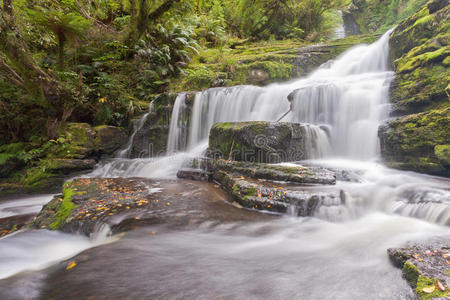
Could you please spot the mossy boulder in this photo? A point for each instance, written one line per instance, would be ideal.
(262, 142)
(80, 140)
(425, 268)
(418, 142)
(109, 138)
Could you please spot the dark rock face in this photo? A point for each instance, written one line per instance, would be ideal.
(419, 139)
(109, 138)
(425, 267)
(151, 139)
(262, 142)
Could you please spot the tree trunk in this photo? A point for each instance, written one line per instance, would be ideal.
(61, 41)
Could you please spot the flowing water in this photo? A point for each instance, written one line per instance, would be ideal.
(210, 249)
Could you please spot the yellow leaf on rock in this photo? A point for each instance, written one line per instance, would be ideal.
(71, 265)
(429, 289)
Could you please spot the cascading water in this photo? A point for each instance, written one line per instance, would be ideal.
(348, 98)
(341, 104)
(125, 153)
(178, 126)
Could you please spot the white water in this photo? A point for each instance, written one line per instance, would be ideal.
(125, 153)
(38, 249)
(342, 105)
(349, 98)
(23, 206)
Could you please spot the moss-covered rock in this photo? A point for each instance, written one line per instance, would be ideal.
(109, 138)
(425, 268)
(420, 52)
(417, 142)
(258, 141)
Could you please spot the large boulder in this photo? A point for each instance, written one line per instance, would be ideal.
(109, 138)
(262, 142)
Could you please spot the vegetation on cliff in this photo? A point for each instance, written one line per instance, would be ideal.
(419, 139)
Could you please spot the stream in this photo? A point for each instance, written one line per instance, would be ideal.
(205, 247)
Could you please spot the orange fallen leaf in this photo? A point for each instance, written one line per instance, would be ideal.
(448, 262)
(71, 265)
(439, 286)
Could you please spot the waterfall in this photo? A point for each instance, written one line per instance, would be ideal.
(343, 103)
(125, 153)
(178, 126)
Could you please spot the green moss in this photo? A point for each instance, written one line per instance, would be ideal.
(442, 152)
(424, 20)
(65, 209)
(37, 177)
(411, 273)
(424, 282)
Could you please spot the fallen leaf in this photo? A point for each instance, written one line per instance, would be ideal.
(429, 289)
(71, 265)
(439, 286)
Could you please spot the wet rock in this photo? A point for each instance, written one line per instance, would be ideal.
(297, 174)
(425, 266)
(272, 196)
(125, 204)
(263, 142)
(194, 174)
(265, 187)
(87, 202)
(108, 139)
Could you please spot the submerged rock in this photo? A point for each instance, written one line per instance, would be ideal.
(425, 267)
(263, 142)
